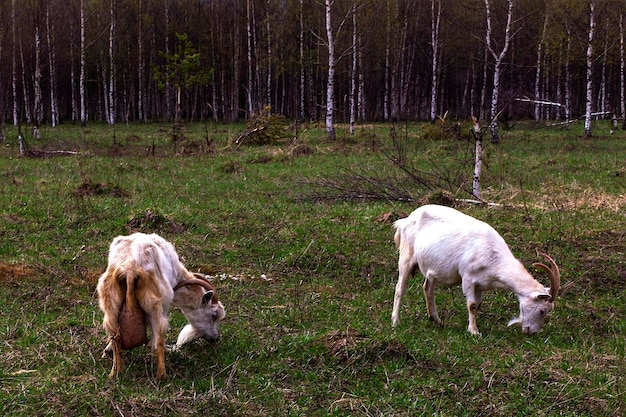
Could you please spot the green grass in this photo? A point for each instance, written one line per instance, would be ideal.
(308, 284)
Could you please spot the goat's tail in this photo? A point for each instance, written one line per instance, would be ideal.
(399, 225)
(131, 278)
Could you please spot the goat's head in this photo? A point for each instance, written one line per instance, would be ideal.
(204, 314)
(535, 307)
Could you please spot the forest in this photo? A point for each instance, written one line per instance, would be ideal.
(80, 61)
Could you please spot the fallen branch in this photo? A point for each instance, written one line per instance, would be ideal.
(26, 152)
(248, 133)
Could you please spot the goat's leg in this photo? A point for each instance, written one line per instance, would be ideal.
(160, 352)
(111, 326)
(117, 356)
(159, 324)
(404, 270)
(429, 295)
(474, 297)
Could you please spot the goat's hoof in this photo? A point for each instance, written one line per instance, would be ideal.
(436, 320)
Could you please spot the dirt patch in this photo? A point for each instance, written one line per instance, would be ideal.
(89, 188)
(151, 221)
(10, 273)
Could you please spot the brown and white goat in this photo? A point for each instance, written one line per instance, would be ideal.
(451, 248)
(143, 277)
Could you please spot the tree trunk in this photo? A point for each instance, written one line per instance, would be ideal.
(603, 94)
(483, 90)
(250, 68)
(353, 70)
(386, 82)
(54, 111)
(37, 102)
(622, 72)
(538, 69)
(568, 87)
(330, 86)
(141, 95)
(16, 118)
(435, 14)
(478, 136)
(27, 109)
(499, 57)
(361, 92)
(83, 65)
(302, 72)
(589, 89)
(112, 107)
(268, 86)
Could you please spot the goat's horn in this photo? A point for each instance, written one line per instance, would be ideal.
(553, 274)
(201, 282)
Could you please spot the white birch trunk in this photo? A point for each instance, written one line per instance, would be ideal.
(302, 74)
(568, 91)
(105, 89)
(589, 95)
(622, 76)
(112, 107)
(268, 86)
(538, 70)
(37, 92)
(498, 57)
(16, 118)
(83, 65)
(140, 68)
(387, 66)
(353, 72)
(435, 14)
(73, 88)
(603, 95)
(54, 111)
(483, 91)
(250, 69)
(361, 92)
(330, 86)
(27, 108)
(478, 165)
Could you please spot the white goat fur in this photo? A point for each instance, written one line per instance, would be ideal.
(145, 270)
(451, 248)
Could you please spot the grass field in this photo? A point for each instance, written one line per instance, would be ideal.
(307, 281)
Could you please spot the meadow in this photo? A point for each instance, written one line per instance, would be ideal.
(297, 236)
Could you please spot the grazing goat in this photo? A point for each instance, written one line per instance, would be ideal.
(451, 248)
(143, 277)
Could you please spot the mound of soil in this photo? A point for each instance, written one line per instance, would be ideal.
(89, 188)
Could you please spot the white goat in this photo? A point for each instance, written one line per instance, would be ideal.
(451, 248)
(143, 277)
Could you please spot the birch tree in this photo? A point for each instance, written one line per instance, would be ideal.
(54, 112)
(37, 76)
(249, 11)
(622, 71)
(141, 65)
(83, 67)
(16, 119)
(499, 58)
(302, 73)
(330, 84)
(538, 69)
(353, 69)
(435, 14)
(111, 98)
(589, 83)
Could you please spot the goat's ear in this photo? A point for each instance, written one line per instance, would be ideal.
(206, 298)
